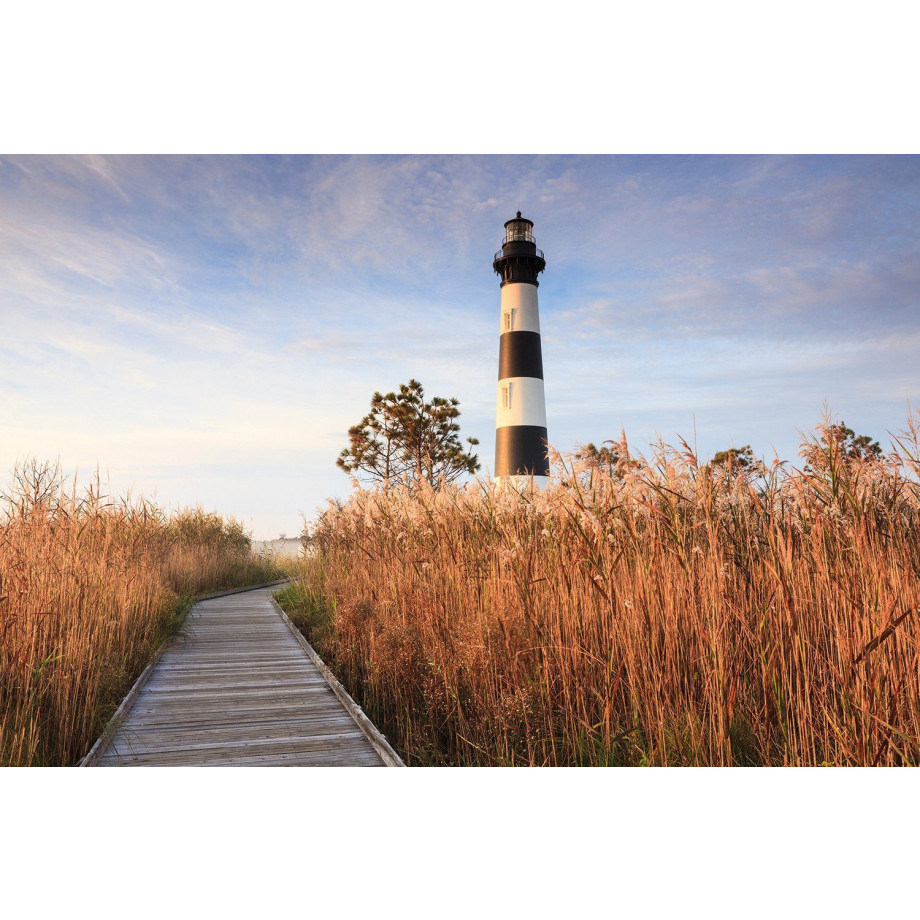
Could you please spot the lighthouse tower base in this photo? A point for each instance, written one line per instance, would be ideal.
(521, 483)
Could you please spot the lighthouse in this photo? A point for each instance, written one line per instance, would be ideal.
(520, 416)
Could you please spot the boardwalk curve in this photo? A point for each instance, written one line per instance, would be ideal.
(240, 687)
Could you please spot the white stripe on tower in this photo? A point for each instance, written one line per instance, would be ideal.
(520, 415)
(520, 301)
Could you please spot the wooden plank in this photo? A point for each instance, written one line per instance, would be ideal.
(283, 759)
(249, 717)
(267, 728)
(233, 687)
(226, 747)
(237, 689)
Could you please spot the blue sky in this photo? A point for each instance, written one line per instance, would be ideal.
(206, 329)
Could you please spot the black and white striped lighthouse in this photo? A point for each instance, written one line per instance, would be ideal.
(520, 418)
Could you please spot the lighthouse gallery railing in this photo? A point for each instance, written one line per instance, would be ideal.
(500, 254)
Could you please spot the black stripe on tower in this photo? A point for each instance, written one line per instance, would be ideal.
(520, 450)
(520, 355)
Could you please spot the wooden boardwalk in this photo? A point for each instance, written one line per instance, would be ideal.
(240, 687)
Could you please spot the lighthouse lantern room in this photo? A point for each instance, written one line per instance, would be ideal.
(520, 417)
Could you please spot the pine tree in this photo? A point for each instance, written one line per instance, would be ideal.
(404, 437)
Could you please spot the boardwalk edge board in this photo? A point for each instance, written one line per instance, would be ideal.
(374, 735)
(112, 726)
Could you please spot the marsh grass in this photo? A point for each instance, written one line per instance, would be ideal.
(660, 613)
(89, 589)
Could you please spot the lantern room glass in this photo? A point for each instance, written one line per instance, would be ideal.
(519, 231)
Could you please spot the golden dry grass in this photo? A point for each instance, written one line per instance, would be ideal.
(665, 614)
(89, 588)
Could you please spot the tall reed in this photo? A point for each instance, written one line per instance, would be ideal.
(663, 612)
(89, 587)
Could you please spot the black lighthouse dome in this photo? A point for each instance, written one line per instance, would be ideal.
(519, 261)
